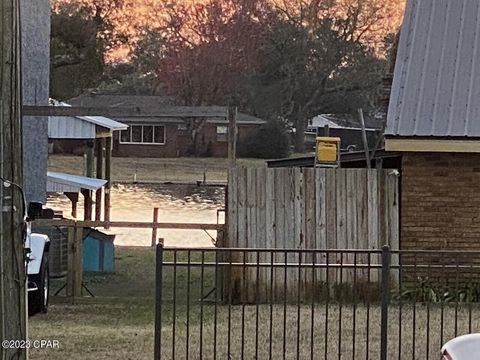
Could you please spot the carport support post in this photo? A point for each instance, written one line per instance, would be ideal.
(100, 144)
(108, 177)
(73, 197)
(87, 207)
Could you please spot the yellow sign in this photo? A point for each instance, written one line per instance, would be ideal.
(328, 149)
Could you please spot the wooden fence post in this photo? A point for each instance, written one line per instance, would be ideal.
(154, 227)
(71, 230)
(108, 177)
(78, 264)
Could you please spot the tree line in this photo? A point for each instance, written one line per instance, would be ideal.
(281, 60)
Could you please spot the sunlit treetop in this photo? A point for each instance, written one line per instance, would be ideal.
(124, 21)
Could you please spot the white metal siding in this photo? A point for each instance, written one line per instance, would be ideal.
(70, 128)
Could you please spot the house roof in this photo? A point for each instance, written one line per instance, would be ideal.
(61, 182)
(436, 84)
(159, 103)
(345, 121)
(79, 127)
(130, 101)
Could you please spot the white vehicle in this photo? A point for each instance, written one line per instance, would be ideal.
(37, 248)
(466, 347)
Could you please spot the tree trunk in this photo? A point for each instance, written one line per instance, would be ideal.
(12, 267)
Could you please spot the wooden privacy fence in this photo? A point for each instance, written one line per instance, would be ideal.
(306, 208)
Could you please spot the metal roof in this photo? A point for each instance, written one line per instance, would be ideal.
(436, 84)
(60, 182)
(80, 127)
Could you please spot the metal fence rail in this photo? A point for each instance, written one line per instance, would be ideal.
(312, 304)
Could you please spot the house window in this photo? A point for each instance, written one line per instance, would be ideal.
(136, 134)
(159, 135)
(222, 133)
(143, 134)
(147, 135)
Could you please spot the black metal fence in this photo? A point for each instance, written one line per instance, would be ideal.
(313, 304)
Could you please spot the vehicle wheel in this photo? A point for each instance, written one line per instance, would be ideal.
(38, 300)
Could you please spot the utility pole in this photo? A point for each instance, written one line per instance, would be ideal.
(232, 136)
(13, 317)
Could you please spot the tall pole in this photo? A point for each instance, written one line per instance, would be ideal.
(108, 177)
(232, 136)
(364, 139)
(13, 320)
(100, 144)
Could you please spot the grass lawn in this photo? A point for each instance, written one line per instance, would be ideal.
(156, 170)
(121, 325)
(120, 328)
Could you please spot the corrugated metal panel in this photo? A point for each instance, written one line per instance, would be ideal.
(70, 128)
(436, 85)
(60, 182)
(81, 127)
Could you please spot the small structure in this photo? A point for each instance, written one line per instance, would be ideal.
(88, 134)
(346, 127)
(98, 251)
(172, 136)
(433, 120)
(71, 186)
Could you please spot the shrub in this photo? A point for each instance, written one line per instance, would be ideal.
(269, 142)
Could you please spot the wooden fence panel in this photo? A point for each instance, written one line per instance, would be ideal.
(306, 208)
(298, 208)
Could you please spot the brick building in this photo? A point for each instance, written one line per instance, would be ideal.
(168, 137)
(434, 121)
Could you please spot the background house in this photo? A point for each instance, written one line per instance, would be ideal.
(345, 126)
(434, 121)
(168, 137)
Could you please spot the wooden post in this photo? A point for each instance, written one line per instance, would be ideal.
(13, 319)
(326, 132)
(108, 177)
(90, 158)
(364, 137)
(78, 262)
(87, 204)
(71, 231)
(73, 197)
(232, 136)
(154, 228)
(100, 144)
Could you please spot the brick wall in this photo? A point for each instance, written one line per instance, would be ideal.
(179, 144)
(440, 206)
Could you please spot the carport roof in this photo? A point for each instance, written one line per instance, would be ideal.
(62, 183)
